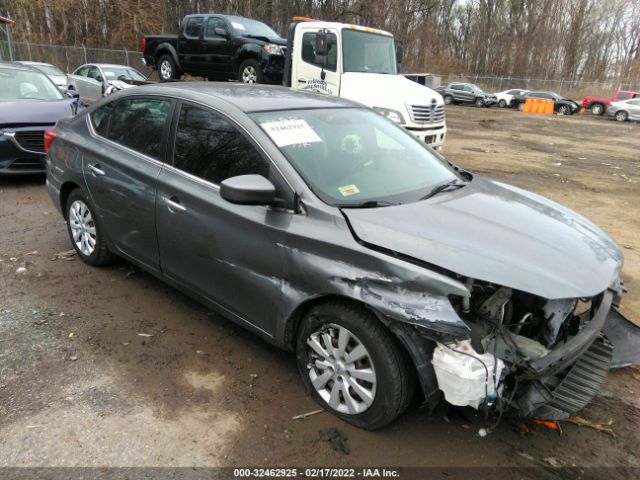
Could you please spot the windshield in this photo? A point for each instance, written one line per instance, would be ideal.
(252, 28)
(350, 155)
(49, 69)
(122, 73)
(26, 85)
(368, 52)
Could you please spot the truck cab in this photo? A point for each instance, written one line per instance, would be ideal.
(361, 64)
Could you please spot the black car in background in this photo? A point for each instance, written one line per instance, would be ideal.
(562, 105)
(29, 104)
(456, 93)
(218, 47)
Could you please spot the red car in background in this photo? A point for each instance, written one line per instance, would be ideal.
(598, 105)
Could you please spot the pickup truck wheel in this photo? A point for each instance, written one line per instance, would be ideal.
(502, 103)
(167, 69)
(597, 109)
(84, 230)
(448, 99)
(352, 365)
(479, 102)
(250, 72)
(622, 116)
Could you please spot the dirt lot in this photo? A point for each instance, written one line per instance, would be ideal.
(80, 385)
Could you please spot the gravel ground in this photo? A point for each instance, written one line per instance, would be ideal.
(110, 367)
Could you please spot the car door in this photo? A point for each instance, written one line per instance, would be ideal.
(634, 109)
(189, 45)
(468, 94)
(87, 81)
(216, 49)
(308, 74)
(227, 254)
(120, 169)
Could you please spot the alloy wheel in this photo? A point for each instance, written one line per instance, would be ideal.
(83, 227)
(341, 370)
(165, 70)
(249, 75)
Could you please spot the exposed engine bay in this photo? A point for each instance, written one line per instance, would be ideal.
(518, 342)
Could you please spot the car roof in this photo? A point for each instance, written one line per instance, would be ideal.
(19, 66)
(28, 62)
(248, 98)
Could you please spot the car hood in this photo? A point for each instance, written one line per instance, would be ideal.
(34, 111)
(388, 91)
(500, 234)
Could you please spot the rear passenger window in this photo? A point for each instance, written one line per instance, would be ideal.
(211, 148)
(138, 123)
(194, 27)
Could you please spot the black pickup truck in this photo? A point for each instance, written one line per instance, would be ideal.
(218, 47)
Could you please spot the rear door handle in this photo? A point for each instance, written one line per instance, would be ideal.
(174, 205)
(95, 169)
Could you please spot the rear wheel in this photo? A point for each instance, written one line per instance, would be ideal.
(521, 106)
(597, 109)
(167, 69)
(250, 72)
(448, 99)
(84, 231)
(622, 116)
(352, 366)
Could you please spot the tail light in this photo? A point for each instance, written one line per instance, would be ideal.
(49, 137)
(143, 43)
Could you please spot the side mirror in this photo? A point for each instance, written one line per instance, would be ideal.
(322, 48)
(221, 32)
(399, 53)
(72, 94)
(248, 190)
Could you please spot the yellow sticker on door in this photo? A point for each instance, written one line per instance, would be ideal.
(348, 190)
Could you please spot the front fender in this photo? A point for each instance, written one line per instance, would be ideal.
(248, 50)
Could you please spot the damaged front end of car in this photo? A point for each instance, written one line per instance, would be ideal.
(543, 358)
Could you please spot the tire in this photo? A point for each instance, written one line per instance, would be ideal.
(597, 109)
(564, 110)
(250, 72)
(448, 99)
(521, 106)
(479, 102)
(167, 69)
(82, 225)
(381, 400)
(502, 103)
(622, 116)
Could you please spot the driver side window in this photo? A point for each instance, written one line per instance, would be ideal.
(309, 51)
(94, 73)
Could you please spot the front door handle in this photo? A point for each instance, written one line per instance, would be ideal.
(95, 170)
(301, 81)
(174, 205)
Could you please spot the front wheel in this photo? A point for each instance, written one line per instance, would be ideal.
(622, 116)
(448, 99)
(564, 110)
(84, 231)
(250, 72)
(479, 102)
(352, 366)
(502, 103)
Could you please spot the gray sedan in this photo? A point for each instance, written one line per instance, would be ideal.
(625, 110)
(329, 231)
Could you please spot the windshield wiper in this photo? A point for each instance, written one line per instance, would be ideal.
(441, 188)
(368, 204)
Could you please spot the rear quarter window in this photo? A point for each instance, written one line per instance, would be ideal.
(100, 119)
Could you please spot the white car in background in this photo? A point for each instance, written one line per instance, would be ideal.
(505, 97)
(56, 75)
(93, 81)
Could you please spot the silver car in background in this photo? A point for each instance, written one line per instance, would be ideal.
(625, 110)
(96, 80)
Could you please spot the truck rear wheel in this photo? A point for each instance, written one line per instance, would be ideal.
(167, 69)
(250, 72)
(597, 109)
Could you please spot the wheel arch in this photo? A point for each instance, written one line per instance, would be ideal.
(65, 190)
(248, 52)
(167, 49)
(418, 350)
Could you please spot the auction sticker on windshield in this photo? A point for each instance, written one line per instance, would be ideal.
(290, 132)
(349, 190)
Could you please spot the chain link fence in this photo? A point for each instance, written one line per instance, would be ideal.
(69, 58)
